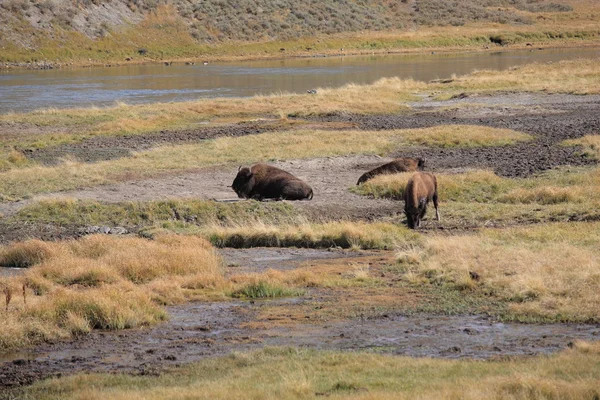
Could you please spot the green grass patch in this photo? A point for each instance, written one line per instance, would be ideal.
(264, 290)
(143, 214)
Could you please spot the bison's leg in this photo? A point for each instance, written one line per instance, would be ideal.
(435, 204)
(409, 219)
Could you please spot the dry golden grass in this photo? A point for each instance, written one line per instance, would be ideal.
(354, 235)
(25, 254)
(575, 76)
(243, 150)
(546, 272)
(590, 144)
(285, 373)
(102, 282)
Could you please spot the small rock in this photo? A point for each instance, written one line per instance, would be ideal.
(118, 230)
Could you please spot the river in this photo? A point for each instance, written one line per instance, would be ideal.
(27, 90)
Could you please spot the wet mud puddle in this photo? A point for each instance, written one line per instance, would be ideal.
(200, 330)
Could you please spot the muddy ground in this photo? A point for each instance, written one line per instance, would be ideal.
(208, 329)
(200, 330)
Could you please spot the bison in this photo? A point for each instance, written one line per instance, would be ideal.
(398, 165)
(262, 181)
(420, 189)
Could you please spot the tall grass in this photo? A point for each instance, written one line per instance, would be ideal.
(354, 235)
(102, 282)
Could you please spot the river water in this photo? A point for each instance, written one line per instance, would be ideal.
(25, 90)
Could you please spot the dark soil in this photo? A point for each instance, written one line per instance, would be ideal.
(566, 121)
(102, 148)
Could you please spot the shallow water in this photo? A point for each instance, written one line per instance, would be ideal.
(79, 87)
(11, 271)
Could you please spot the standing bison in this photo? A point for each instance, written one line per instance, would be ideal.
(262, 181)
(420, 190)
(394, 167)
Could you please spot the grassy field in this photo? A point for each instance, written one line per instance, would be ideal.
(481, 197)
(511, 249)
(303, 374)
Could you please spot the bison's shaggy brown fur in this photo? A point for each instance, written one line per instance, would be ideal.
(262, 181)
(398, 165)
(420, 190)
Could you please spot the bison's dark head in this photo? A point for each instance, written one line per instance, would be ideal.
(420, 164)
(243, 182)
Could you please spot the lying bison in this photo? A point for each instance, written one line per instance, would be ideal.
(394, 167)
(420, 189)
(262, 181)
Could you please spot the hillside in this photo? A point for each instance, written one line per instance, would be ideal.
(65, 30)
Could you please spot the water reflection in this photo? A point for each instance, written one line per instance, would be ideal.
(28, 90)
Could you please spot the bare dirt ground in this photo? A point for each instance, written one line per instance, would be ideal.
(207, 329)
(200, 330)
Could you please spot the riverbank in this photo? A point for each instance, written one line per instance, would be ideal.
(436, 40)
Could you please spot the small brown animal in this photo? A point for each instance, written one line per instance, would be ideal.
(262, 181)
(420, 190)
(398, 165)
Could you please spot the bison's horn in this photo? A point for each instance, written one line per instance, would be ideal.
(240, 167)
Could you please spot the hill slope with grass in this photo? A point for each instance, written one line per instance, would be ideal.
(113, 30)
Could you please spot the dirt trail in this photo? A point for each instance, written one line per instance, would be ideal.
(200, 330)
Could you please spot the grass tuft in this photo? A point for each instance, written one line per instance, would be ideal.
(103, 282)
(25, 254)
(263, 290)
(590, 144)
(348, 235)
